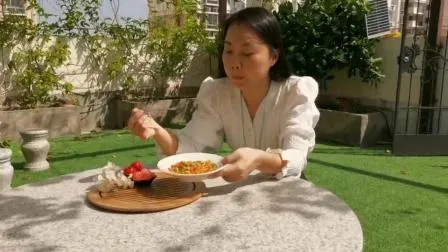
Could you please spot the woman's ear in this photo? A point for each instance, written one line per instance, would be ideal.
(274, 56)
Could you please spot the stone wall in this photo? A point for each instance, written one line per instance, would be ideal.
(94, 113)
(60, 121)
(362, 130)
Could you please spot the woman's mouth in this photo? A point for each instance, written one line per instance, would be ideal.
(237, 77)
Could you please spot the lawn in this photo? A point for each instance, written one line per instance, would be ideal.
(402, 202)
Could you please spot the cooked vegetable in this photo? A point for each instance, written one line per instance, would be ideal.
(193, 167)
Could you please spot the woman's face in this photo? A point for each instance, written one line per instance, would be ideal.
(246, 58)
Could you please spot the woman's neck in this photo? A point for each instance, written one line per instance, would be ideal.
(254, 94)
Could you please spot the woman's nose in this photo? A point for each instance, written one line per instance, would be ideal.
(236, 67)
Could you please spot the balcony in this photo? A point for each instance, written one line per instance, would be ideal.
(211, 2)
(15, 10)
(420, 10)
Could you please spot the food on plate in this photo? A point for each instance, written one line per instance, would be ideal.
(193, 167)
(114, 177)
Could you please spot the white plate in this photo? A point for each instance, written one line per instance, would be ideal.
(165, 163)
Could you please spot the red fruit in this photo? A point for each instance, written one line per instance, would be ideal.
(137, 165)
(127, 171)
(143, 175)
(130, 170)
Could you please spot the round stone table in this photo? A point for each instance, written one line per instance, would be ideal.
(259, 214)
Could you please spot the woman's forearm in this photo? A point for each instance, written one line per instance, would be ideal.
(167, 141)
(270, 163)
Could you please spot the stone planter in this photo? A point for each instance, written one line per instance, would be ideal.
(35, 148)
(362, 130)
(6, 169)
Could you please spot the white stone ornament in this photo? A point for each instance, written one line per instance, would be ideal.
(35, 147)
(6, 169)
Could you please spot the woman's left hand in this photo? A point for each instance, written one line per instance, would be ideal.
(240, 164)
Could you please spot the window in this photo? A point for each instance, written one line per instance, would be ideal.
(14, 3)
(211, 2)
(212, 19)
(213, 9)
(211, 34)
(15, 7)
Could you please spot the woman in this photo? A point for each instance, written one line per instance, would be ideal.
(266, 115)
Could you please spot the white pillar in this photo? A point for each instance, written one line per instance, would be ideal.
(232, 6)
(294, 5)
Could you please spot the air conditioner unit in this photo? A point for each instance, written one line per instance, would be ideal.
(378, 21)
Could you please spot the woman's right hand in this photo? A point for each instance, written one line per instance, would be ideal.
(142, 124)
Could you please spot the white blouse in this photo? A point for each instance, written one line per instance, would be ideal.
(285, 121)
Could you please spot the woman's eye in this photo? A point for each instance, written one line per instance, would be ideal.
(248, 54)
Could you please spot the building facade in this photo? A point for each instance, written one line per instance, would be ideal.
(15, 7)
(418, 12)
(207, 8)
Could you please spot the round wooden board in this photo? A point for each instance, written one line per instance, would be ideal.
(164, 193)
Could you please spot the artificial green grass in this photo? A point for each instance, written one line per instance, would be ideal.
(402, 202)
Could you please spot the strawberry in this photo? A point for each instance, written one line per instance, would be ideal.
(137, 165)
(129, 170)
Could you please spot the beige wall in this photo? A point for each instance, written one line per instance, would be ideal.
(202, 65)
(441, 116)
(85, 78)
(443, 26)
(384, 93)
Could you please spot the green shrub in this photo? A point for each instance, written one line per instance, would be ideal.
(324, 35)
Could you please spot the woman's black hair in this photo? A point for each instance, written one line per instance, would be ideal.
(265, 24)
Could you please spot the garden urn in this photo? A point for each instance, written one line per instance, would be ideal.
(6, 169)
(35, 147)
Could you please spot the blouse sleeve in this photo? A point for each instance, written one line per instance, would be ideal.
(204, 132)
(300, 119)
